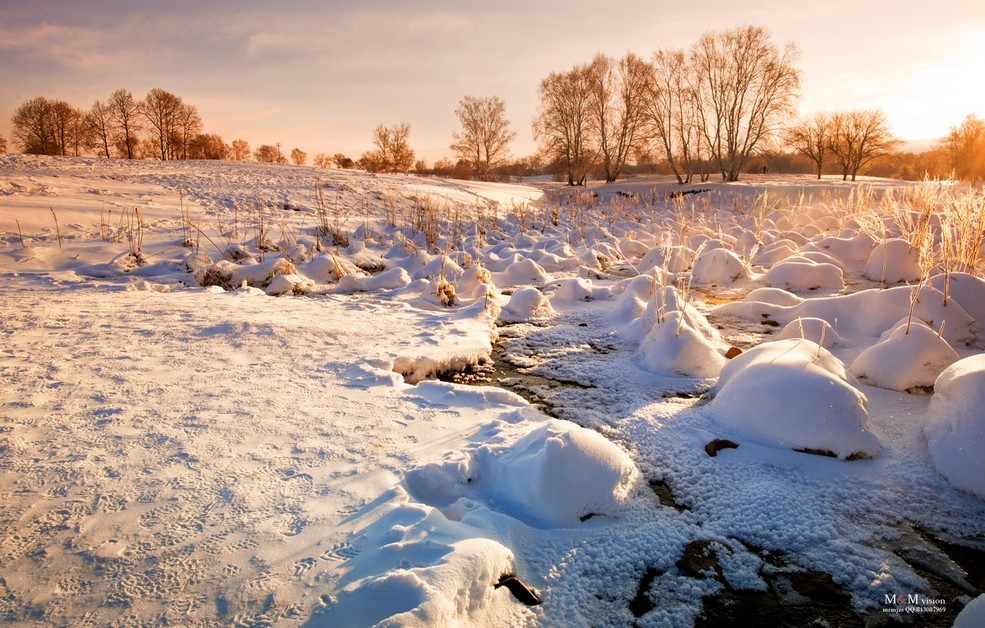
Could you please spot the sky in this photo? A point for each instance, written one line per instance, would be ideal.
(321, 75)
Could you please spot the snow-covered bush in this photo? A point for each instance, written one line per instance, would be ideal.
(794, 393)
(955, 427)
(908, 359)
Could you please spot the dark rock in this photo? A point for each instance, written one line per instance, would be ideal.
(733, 352)
(715, 446)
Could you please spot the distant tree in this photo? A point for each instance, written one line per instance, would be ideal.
(858, 137)
(69, 128)
(3, 145)
(811, 137)
(99, 120)
(485, 137)
(322, 160)
(393, 152)
(563, 126)
(125, 112)
(963, 150)
(268, 154)
(49, 127)
(189, 126)
(163, 111)
(33, 123)
(617, 91)
(745, 86)
(370, 161)
(240, 150)
(341, 161)
(207, 146)
(299, 157)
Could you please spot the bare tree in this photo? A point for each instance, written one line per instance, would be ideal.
(617, 108)
(486, 135)
(33, 127)
(67, 128)
(3, 145)
(964, 149)
(745, 86)
(564, 122)
(671, 113)
(811, 137)
(299, 157)
(859, 136)
(189, 126)
(393, 152)
(99, 119)
(125, 112)
(240, 150)
(162, 110)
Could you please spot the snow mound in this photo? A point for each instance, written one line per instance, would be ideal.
(433, 577)
(559, 473)
(908, 359)
(794, 393)
(817, 330)
(972, 615)
(893, 261)
(391, 279)
(578, 289)
(955, 427)
(676, 348)
(520, 273)
(675, 259)
(775, 296)
(966, 290)
(719, 266)
(802, 275)
(526, 304)
(554, 473)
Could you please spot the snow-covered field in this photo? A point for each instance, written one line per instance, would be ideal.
(221, 402)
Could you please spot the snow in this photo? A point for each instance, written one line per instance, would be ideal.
(972, 615)
(908, 358)
(956, 424)
(180, 446)
(762, 393)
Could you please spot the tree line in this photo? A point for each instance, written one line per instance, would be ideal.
(719, 106)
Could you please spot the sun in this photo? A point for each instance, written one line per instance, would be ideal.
(941, 91)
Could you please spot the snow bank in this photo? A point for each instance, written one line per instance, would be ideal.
(869, 312)
(908, 359)
(430, 576)
(955, 427)
(793, 393)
